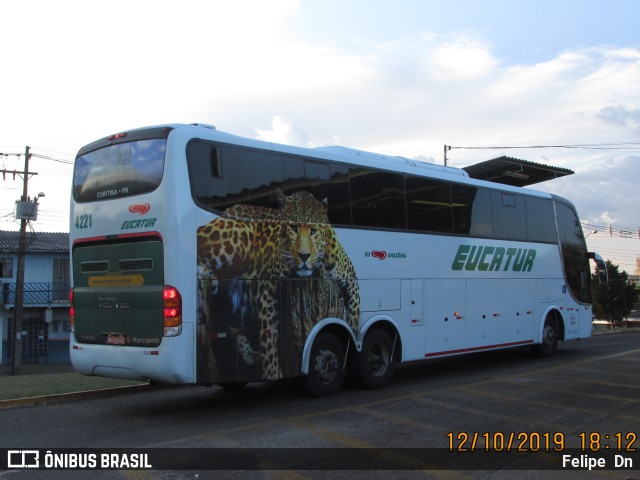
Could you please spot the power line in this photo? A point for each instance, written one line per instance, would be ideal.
(53, 151)
(585, 146)
(43, 156)
(600, 229)
(53, 159)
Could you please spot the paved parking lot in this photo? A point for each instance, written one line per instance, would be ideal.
(503, 414)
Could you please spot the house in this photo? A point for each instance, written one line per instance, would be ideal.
(45, 323)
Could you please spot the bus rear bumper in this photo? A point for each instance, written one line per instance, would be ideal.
(168, 363)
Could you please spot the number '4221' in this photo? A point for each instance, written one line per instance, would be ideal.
(83, 221)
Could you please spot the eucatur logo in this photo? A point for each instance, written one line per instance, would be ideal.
(140, 208)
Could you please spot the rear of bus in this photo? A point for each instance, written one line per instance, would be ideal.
(127, 319)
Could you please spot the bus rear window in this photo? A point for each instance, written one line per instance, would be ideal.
(119, 170)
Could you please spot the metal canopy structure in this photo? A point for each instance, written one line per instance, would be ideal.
(515, 172)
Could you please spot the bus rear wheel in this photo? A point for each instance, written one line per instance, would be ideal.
(326, 365)
(549, 339)
(376, 365)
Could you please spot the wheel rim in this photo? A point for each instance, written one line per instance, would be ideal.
(550, 336)
(378, 359)
(326, 365)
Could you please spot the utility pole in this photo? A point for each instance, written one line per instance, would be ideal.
(16, 359)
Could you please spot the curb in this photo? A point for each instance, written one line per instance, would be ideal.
(47, 399)
(616, 331)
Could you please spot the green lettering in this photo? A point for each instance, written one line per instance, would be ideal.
(510, 253)
(482, 258)
(498, 256)
(517, 263)
(461, 256)
(528, 263)
(473, 259)
(483, 266)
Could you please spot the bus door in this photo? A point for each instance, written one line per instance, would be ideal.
(445, 314)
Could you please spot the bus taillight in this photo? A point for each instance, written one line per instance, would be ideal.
(117, 136)
(172, 311)
(72, 311)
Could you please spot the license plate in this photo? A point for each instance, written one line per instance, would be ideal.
(116, 339)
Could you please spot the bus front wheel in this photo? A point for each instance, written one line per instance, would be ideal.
(326, 365)
(376, 365)
(549, 339)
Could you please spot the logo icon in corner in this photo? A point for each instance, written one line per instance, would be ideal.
(140, 208)
(23, 459)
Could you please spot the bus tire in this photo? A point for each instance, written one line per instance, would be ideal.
(326, 365)
(549, 339)
(375, 364)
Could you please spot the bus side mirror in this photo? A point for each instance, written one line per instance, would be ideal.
(601, 268)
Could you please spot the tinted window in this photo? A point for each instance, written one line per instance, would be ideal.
(481, 216)
(429, 205)
(541, 225)
(377, 199)
(119, 170)
(293, 171)
(332, 185)
(324, 181)
(574, 253)
(222, 176)
(509, 216)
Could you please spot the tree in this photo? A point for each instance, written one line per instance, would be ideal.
(613, 301)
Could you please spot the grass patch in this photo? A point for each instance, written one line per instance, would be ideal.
(22, 386)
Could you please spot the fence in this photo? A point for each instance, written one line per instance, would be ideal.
(37, 294)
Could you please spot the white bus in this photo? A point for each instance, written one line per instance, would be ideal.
(199, 257)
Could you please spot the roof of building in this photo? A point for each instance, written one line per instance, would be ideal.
(54, 242)
(515, 172)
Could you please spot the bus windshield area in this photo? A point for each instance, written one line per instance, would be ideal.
(119, 170)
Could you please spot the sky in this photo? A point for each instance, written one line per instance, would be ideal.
(401, 78)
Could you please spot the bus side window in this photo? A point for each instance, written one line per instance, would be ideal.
(541, 225)
(481, 214)
(509, 216)
(215, 163)
(377, 199)
(429, 206)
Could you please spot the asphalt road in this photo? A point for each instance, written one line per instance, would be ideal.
(582, 402)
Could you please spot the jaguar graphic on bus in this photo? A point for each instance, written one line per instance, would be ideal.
(200, 257)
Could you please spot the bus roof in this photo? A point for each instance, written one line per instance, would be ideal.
(504, 173)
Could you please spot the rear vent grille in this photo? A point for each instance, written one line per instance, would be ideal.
(94, 267)
(137, 264)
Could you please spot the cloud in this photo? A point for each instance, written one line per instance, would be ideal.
(619, 116)
(461, 61)
(283, 131)
(605, 193)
